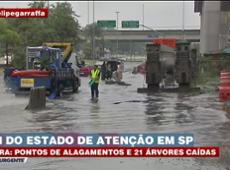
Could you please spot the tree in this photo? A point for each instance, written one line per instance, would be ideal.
(38, 4)
(3, 27)
(92, 29)
(89, 32)
(3, 24)
(61, 25)
(9, 38)
(63, 20)
(87, 49)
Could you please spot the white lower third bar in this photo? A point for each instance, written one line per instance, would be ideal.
(13, 159)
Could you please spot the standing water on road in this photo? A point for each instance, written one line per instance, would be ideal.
(121, 109)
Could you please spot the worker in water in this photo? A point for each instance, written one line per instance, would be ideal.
(103, 71)
(94, 82)
(109, 72)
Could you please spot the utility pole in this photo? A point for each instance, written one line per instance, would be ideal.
(155, 31)
(183, 6)
(88, 12)
(48, 4)
(117, 12)
(143, 16)
(93, 43)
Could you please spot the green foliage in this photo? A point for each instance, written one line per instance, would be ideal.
(87, 49)
(19, 58)
(210, 67)
(60, 26)
(3, 24)
(7, 34)
(8, 38)
(89, 32)
(62, 19)
(38, 4)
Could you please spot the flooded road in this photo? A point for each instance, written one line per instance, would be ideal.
(121, 109)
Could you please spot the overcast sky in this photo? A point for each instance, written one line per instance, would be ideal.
(157, 15)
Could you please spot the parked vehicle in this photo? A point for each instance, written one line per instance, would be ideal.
(85, 70)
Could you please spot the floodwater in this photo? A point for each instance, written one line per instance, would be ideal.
(121, 109)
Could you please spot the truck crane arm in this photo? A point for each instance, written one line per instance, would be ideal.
(66, 47)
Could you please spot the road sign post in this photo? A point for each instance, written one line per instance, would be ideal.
(130, 24)
(106, 23)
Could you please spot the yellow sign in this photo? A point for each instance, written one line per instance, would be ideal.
(27, 82)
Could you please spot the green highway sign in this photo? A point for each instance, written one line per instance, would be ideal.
(130, 24)
(106, 23)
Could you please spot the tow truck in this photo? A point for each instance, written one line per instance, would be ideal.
(45, 66)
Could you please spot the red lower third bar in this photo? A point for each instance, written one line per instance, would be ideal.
(110, 152)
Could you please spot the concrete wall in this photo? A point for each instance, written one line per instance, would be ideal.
(140, 35)
(214, 27)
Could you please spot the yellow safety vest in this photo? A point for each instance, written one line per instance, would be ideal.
(95, 75)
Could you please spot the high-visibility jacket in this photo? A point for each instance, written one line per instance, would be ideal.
(95, 75)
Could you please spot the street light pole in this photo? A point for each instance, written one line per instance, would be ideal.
(183, 20)
(143, 15)
(93, 43)
(48, 4)
(155, 31)
(117, 12)
(88, 12)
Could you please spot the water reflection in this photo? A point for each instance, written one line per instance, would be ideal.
(54, 118)
(95, 108)
(177, 110)
(121, 110)
(154, 111)
(95, 116)
(183, 111)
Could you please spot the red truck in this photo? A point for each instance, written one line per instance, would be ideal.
(85, 70)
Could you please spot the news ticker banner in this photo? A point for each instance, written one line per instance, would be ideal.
(23, 12)
(96, 140)
(26, 145)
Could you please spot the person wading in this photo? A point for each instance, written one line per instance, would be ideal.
(94, 82)
(103, 71)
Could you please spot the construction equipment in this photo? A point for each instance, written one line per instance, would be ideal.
(45, 66)
(66, 49)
